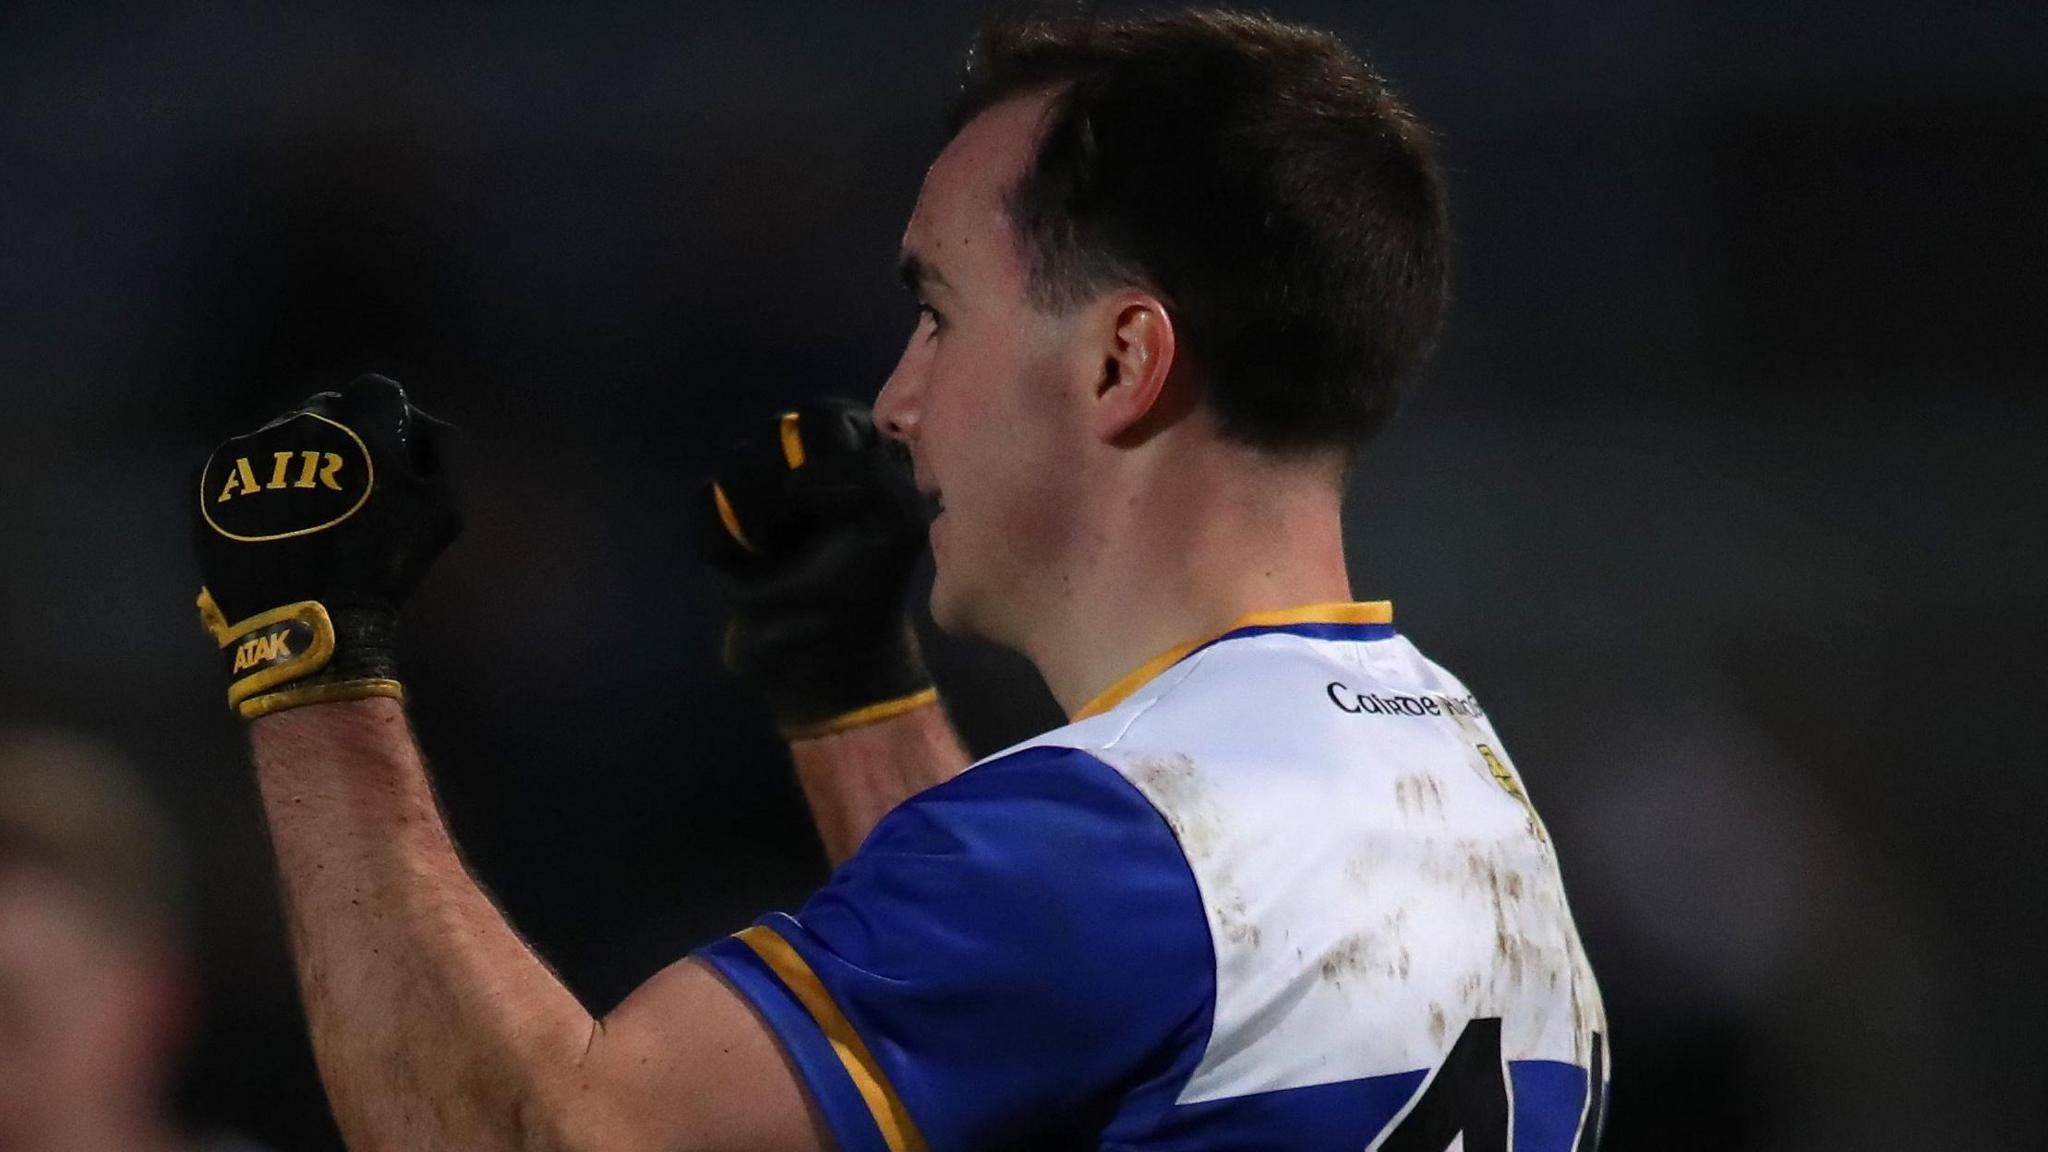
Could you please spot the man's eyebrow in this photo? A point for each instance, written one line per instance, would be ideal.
(917, 274)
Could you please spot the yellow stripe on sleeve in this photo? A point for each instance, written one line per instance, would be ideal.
(899, 1132)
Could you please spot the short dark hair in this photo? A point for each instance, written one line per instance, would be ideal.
(1265, 181)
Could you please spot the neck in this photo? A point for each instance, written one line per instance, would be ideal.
(1178, 563)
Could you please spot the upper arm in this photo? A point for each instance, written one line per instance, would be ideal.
(685, 1063)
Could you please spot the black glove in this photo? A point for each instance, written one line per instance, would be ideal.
(311, 532)
(815, 527)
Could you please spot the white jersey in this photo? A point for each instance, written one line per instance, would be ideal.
(1334, 921)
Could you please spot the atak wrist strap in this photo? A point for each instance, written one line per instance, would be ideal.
(301, 654)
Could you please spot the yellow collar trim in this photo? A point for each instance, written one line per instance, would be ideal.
(1365, 612)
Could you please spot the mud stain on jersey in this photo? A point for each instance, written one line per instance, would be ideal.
(1171, 784)
(1501, 888)
(1175, 789)
(1236, 920)
(1346, 959)
(1419, 795)
(1582, 1034)
(1507, 948)
(1468, 992)
(1358, 870)
(1533, 959)
(1368, 956)
(1395, 930)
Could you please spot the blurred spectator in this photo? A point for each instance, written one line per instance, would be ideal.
(97, 989)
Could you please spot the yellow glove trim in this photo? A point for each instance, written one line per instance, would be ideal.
(296, 665)
(792, 443)
(263, 643)
(216, 625)
(730, 518)
(861, 717)
(270, 702)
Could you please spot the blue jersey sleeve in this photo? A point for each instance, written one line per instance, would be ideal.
(1008, 954)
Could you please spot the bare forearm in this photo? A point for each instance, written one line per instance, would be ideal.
(852, 779)
(433, 1023)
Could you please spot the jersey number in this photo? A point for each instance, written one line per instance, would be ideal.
(1470, 1095)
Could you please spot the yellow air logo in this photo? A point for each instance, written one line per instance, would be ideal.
(301, 475)
(260, 650)
(315, 468)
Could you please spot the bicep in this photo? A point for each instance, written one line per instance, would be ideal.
(686, 1063)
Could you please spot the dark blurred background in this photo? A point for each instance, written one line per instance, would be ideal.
(1727, 493)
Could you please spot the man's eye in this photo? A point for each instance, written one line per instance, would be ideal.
(927, 312)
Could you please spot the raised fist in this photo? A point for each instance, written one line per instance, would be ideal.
(815, 525)
(311, 532)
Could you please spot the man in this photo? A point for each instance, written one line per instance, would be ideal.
(1277, 886)
(96, 984)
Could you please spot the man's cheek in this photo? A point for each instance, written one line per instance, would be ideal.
(1038, 521)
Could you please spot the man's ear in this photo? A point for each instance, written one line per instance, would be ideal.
(1132, 397)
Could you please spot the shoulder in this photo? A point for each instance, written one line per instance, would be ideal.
(1041, 810)
(1009, 949)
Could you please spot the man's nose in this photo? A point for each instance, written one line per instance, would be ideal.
(897, 407)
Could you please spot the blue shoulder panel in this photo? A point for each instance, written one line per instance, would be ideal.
(1010, 955)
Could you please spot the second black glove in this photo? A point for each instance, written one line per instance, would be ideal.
(815, 526)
